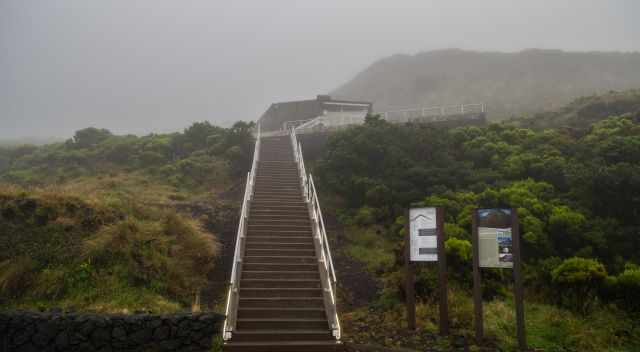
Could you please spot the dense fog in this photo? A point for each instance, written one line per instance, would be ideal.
(145, 66)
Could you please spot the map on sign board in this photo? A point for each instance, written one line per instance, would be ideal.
(422, 230)
(494, 238)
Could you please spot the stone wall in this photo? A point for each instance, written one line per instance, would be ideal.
(59, 331)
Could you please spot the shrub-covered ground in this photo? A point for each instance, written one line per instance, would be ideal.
(118, 223)
(574, 184)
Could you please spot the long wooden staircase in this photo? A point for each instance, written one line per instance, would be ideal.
(282, 292)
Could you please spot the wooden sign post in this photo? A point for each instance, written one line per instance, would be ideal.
(410, 279)
(425, 242)
(518, 287)
(442, 274)
(496, 244)
(477, 289)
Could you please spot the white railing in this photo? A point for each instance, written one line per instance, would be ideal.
(328, 119)
(232, 297)
(433, 113)
(287, 125)
(331, 120)
(328, 275)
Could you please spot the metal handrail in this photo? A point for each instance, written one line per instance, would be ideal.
(232, 296)
(311, 197)
(293, 124)
(440, 110)
(336, 120)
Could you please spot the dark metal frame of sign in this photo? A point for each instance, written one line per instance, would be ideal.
(508, 257)
(442, 275)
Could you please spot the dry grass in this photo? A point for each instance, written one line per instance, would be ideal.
(14, 273)
(174, 253)
(116, 251)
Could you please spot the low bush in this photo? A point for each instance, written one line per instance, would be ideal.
(579, 280)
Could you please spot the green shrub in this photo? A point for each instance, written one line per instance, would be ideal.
(459, 254)
(579, 280)
(365, 216)
(459, 251)
(627, 289)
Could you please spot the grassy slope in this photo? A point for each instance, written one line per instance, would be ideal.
(148, 197)
(98, 250)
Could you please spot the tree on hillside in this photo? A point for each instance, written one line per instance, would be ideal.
(579, 280)
(90, 137)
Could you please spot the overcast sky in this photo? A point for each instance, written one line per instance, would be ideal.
(158, 65)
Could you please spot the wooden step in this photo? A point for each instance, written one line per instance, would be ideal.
(279, 233)
(266, 175)
(282, 323)
(280, 274)
(288, 184)
(282, 335)
(284, 346)
(275, 209)
(275, 189)
(280, 283)
(300, 216)
(293, 167)
(261, 212)
(278, 178)
(279, 227)
(274, 173)
(265, 206)
(277, 197)
(273, 221)
(281, 302)
(281, 313)
(280, 252)
(280, 292)
(279, 190)
(286, 244)
(278, 204)
(295, 189)
(252, 259)
(275, 184)
(279, 266)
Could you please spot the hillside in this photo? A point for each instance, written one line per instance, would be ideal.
(581, 113)
(511, 84)
(575, 193)
(120, 223)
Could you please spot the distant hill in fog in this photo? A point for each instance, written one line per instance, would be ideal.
(29, 140)
(511, 84)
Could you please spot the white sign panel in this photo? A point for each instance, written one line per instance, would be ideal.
(422, 230)
(494, 238)
(495, 247)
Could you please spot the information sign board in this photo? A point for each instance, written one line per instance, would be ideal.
(423, 237)
(495, 238)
